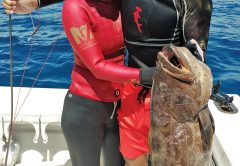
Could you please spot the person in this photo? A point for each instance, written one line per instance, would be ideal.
(148, 26)
(143, 42)
(88, 120)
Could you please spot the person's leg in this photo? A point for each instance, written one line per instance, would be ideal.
(83, 122)
(134, 124)
(110, 147)
(139, 161)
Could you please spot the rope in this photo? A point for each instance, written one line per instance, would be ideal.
(11, 84)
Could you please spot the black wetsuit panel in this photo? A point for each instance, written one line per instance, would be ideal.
(88, 128)
(150, 25)
(48, 2)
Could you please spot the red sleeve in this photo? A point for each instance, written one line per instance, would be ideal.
(75, 21)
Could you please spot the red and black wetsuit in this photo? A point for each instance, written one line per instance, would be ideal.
(95, 33)
(148, 25)
(94, 30)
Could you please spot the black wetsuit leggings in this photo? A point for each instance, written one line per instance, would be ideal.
(89, 132)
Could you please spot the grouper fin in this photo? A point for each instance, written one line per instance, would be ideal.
(206, 128)
(212, 121)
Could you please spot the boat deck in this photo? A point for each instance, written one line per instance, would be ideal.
(37, 128)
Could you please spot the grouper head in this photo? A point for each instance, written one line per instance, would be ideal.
(181, 85)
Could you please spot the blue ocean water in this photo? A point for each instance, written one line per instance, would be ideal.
(223, 55)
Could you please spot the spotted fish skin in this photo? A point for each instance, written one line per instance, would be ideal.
(181, 130)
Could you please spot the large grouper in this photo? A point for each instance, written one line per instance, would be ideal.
(182, 128)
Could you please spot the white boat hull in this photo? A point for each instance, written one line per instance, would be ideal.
(37, 128)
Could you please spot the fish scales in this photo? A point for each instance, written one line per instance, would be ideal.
(181, 131)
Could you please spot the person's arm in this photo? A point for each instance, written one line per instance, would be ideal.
(196, 22)
(25, 6)
(80, 34)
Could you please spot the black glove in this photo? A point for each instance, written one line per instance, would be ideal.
(195, 49)
(146, 80)
(146, 76)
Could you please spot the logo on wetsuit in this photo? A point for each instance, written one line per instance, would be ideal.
(136, 16)
(83, 36)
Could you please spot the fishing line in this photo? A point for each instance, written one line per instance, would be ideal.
(11, 84)
(28, 57)
(38, 26)
(32, 20)
(35, 79)
(13, 118)
(23, 75)
(24, 70)
(26, 62)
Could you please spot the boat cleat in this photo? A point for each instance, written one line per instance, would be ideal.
(44, 122)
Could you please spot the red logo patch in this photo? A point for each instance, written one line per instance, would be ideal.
(136, 16)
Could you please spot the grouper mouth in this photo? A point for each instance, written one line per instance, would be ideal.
(175, 62)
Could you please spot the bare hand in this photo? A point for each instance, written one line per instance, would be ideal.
(19, 6)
